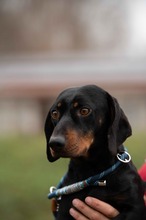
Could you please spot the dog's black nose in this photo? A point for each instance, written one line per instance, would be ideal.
(56, 143)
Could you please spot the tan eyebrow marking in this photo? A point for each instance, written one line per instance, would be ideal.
(75, 104)
(59, 104)
(100, 121)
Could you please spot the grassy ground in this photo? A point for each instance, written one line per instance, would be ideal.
(26, 175)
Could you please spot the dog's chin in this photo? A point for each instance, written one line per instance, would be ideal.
(68, 154)
(58, 154)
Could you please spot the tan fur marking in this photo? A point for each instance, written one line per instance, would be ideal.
(78, 144)
(100, 121)
(59, 104)
(75, 104)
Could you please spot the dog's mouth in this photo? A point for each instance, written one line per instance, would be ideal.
(56, 153)
(52, 152)
(71, 145)
(59, 153)
(71, 151)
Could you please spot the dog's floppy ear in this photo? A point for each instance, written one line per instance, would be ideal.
(49, 127)
(119, 128)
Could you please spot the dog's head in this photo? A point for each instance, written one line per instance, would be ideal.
(82, 118)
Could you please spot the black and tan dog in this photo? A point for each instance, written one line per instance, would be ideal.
(87, 125)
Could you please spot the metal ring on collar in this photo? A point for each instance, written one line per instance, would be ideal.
(52, 188)
(125, 160)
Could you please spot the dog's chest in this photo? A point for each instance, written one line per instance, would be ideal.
(64, 204)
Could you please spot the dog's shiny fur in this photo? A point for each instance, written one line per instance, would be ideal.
(87, 125)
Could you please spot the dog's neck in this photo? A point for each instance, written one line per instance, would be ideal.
(82, 168)
(96, 162)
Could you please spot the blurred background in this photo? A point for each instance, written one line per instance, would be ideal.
(46, 46)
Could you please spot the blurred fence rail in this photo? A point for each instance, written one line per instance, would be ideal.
(29, 84)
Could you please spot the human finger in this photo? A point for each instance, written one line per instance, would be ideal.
(144, 199)
(77, 215)
(83, 212)
(102, 207)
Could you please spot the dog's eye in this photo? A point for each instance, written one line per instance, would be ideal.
(84, 111)
(55, 114)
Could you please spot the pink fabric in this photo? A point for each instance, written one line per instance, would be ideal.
(142, 172)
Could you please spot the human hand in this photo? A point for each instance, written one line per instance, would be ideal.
(144, 198)
(92, 209)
